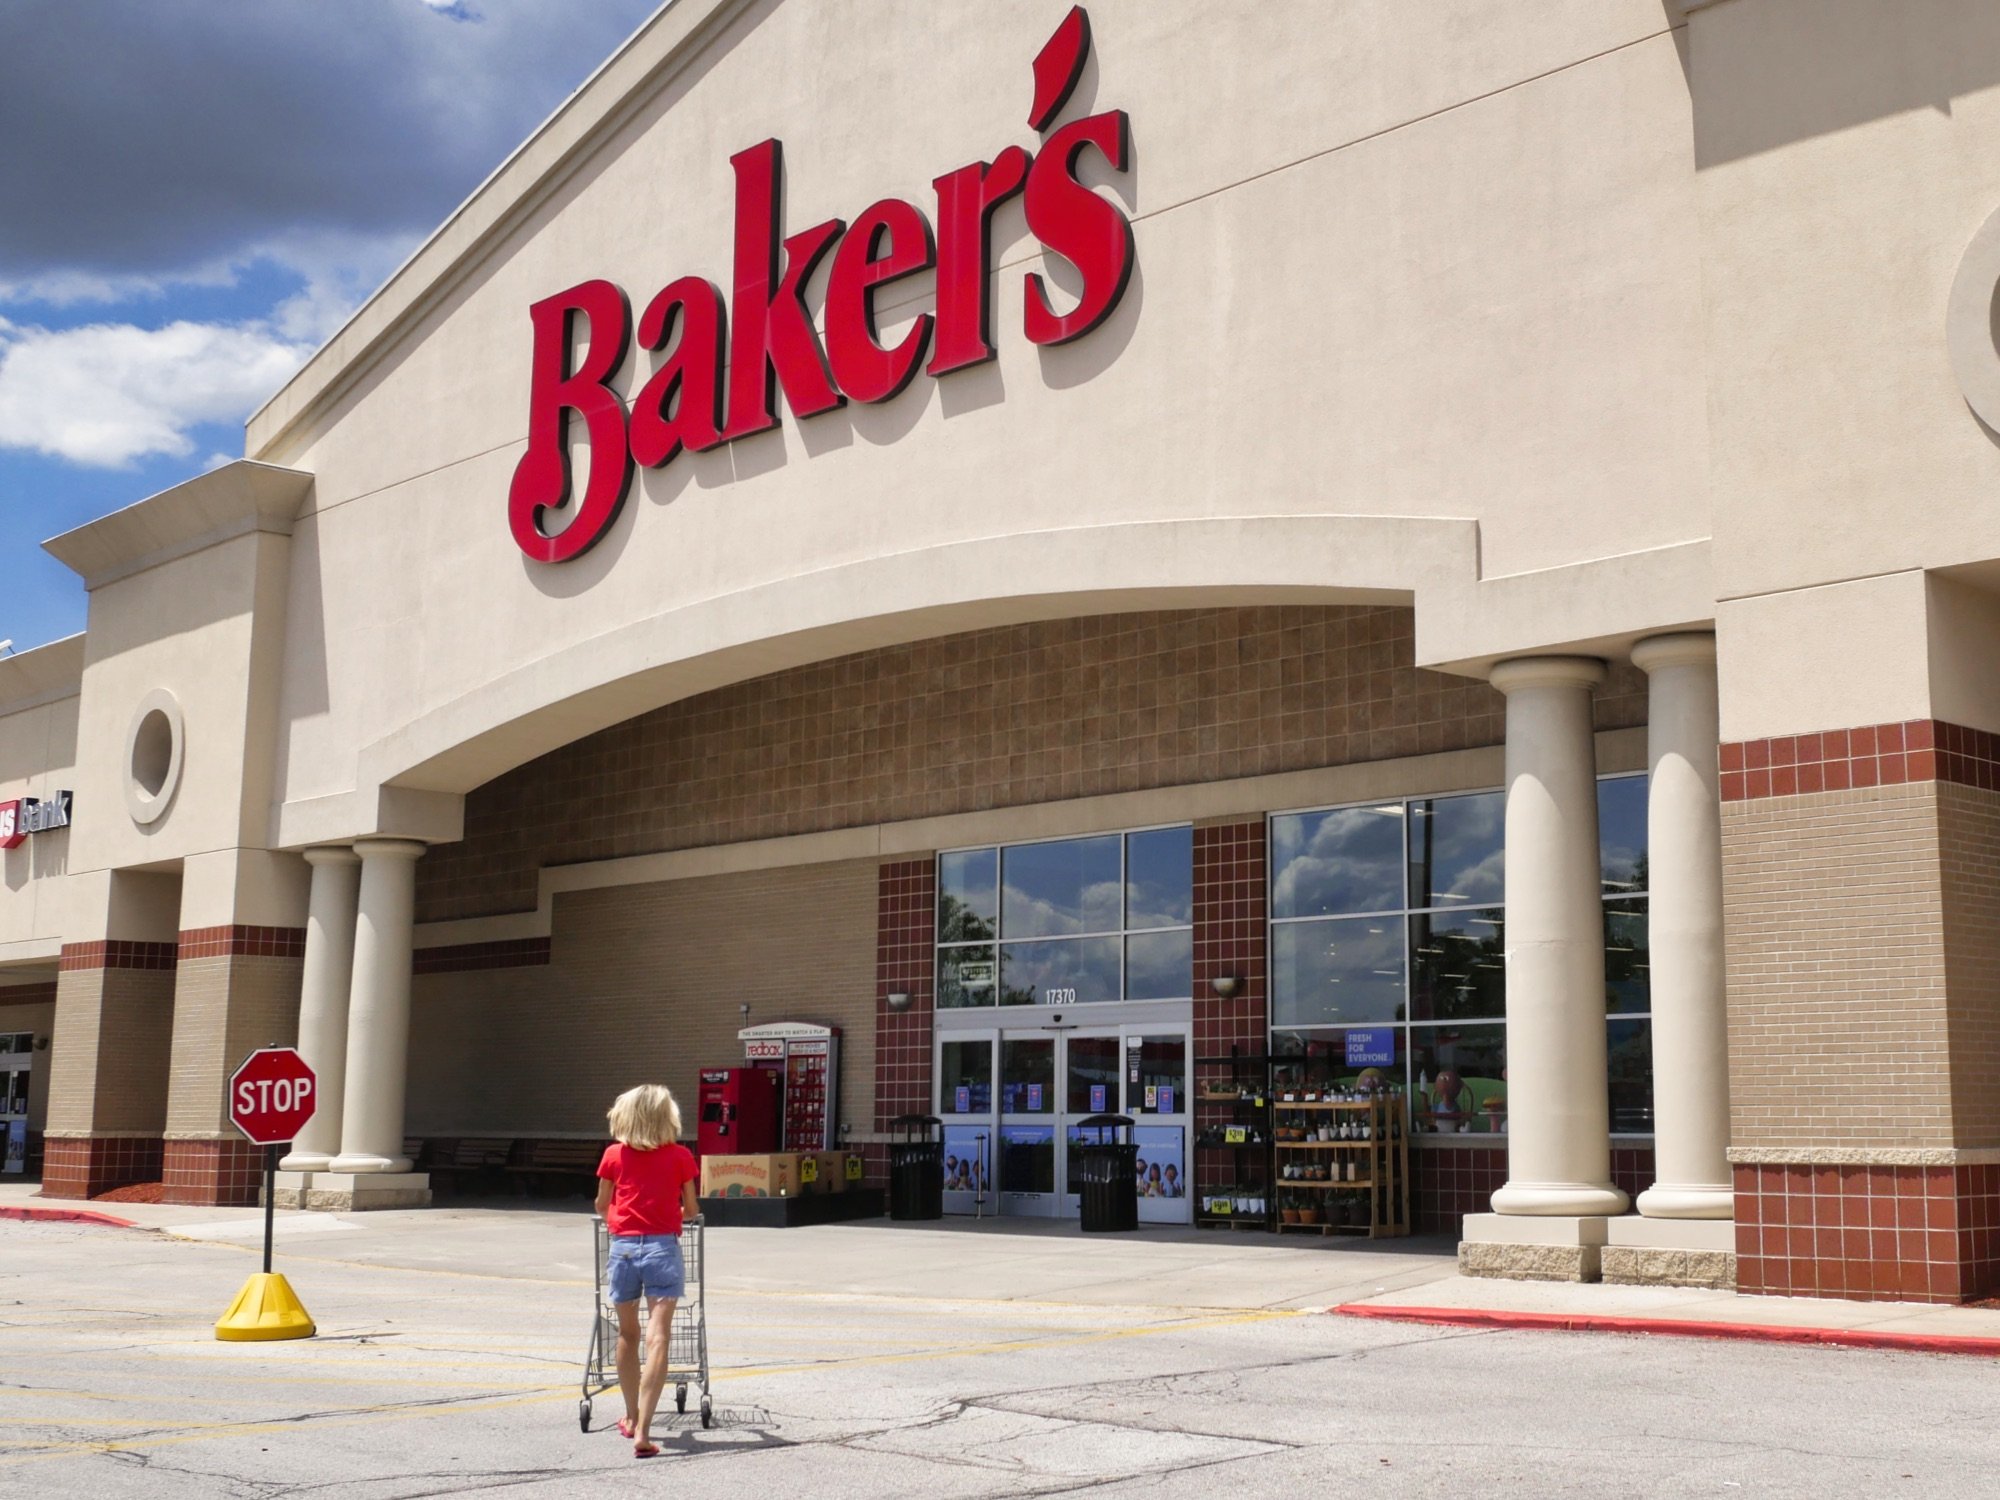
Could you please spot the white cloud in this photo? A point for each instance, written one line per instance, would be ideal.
(108, 394)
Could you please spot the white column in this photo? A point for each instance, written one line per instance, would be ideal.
(1684, 876)
(378, 1020)
(329, 973)
(1558, 1110)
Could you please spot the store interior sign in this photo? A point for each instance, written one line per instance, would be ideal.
(696, 398)
(25, 815)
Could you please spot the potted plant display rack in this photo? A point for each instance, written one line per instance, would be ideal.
(1236, 1179)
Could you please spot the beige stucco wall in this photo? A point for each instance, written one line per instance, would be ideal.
(644, 984)
(1350, 221)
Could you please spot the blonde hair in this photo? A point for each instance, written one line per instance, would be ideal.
(645, 1117)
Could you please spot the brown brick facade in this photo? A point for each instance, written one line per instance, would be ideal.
(108, 1068)
(1862, 878)
(1838, 1030)
(645, 983)
(991, 718)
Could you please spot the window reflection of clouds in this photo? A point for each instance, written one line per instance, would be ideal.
(1159, 875)
(1621, 833)
(967, 895)
(1346, 860)
(1458, 965)
(1028, 971)
(1338, 973)
(1159, 965)
(1457, 850)
(1053, 890)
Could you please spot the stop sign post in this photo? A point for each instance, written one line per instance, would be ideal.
(272, 1096)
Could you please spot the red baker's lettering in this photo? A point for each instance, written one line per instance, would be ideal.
(966, 201)
(691, 379)
(888, 241)
(542, 478)
(1090, 232)
(771, 338)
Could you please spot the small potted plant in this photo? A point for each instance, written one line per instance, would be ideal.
(1309, 1214)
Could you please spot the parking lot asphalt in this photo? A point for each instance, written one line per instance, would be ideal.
(889, 1361)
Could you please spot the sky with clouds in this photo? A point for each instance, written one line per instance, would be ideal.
(197, 193)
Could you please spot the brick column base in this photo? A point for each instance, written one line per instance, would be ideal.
(1876, 1233)
(225, 1173)
(83, 1167)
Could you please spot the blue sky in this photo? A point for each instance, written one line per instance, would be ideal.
(197, 194)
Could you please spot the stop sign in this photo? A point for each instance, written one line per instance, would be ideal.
(272, 1095)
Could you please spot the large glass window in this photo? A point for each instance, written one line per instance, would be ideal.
(1068, 921)
(1391, 917)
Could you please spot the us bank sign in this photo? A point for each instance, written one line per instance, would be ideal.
(767, 329)
(25, 815)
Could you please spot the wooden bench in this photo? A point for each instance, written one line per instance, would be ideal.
(569, 1164)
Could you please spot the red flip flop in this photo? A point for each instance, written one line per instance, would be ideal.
(625, 1428)
(645, 1450)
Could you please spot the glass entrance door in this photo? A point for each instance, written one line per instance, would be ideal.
(1156, 1097)
(1026, 1160)
(1091, 1086)
(965, 1104)
(1008, 1098)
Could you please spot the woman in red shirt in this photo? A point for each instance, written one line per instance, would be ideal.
(645, 1193)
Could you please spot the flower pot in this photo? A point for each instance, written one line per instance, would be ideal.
(1308, 1216)
(1290, 1215)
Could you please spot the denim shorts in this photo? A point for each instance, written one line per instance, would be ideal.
(648, 1262)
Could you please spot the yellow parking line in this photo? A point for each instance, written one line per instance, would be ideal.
(568, 1391)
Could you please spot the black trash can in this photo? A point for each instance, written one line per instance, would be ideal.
(1107, 1163)
(916, 1167)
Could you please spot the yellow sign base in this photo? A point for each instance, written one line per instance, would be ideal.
(266, 1308)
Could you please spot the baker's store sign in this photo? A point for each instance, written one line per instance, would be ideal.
(766, 329)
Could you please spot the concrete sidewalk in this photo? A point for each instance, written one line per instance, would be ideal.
(1031, 1261)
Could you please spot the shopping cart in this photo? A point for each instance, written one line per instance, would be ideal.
(687, 1340)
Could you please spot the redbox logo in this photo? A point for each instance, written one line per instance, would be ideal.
(768, 331)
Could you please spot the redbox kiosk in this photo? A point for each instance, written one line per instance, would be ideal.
(808, 1057)
(739, 1112)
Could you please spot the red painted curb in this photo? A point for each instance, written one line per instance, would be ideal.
(65, 1216)
(1853, 1338)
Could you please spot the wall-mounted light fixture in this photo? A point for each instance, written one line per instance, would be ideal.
(1225, 986)
(898, 999)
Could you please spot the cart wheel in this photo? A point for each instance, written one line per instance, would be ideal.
(680, 1398)
(707, 1412)
(583, 1413)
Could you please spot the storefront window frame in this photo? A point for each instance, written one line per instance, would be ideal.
(1408, 1025)
(1123, 933)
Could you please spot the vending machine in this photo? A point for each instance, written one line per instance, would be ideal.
(740, 1112)
(807, 1057)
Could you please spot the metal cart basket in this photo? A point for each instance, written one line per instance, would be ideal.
(687, 1340)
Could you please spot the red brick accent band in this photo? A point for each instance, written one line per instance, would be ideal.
(463, 958)
(1449, 1180)
(115, 954)
(215, 1174)
(28, 994)
(73, 1168)
(240, 941)
(905, 959)
(1874, 1233)
(1837, 760)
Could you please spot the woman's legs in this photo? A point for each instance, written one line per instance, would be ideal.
(628, 1356)
(659, 1320)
